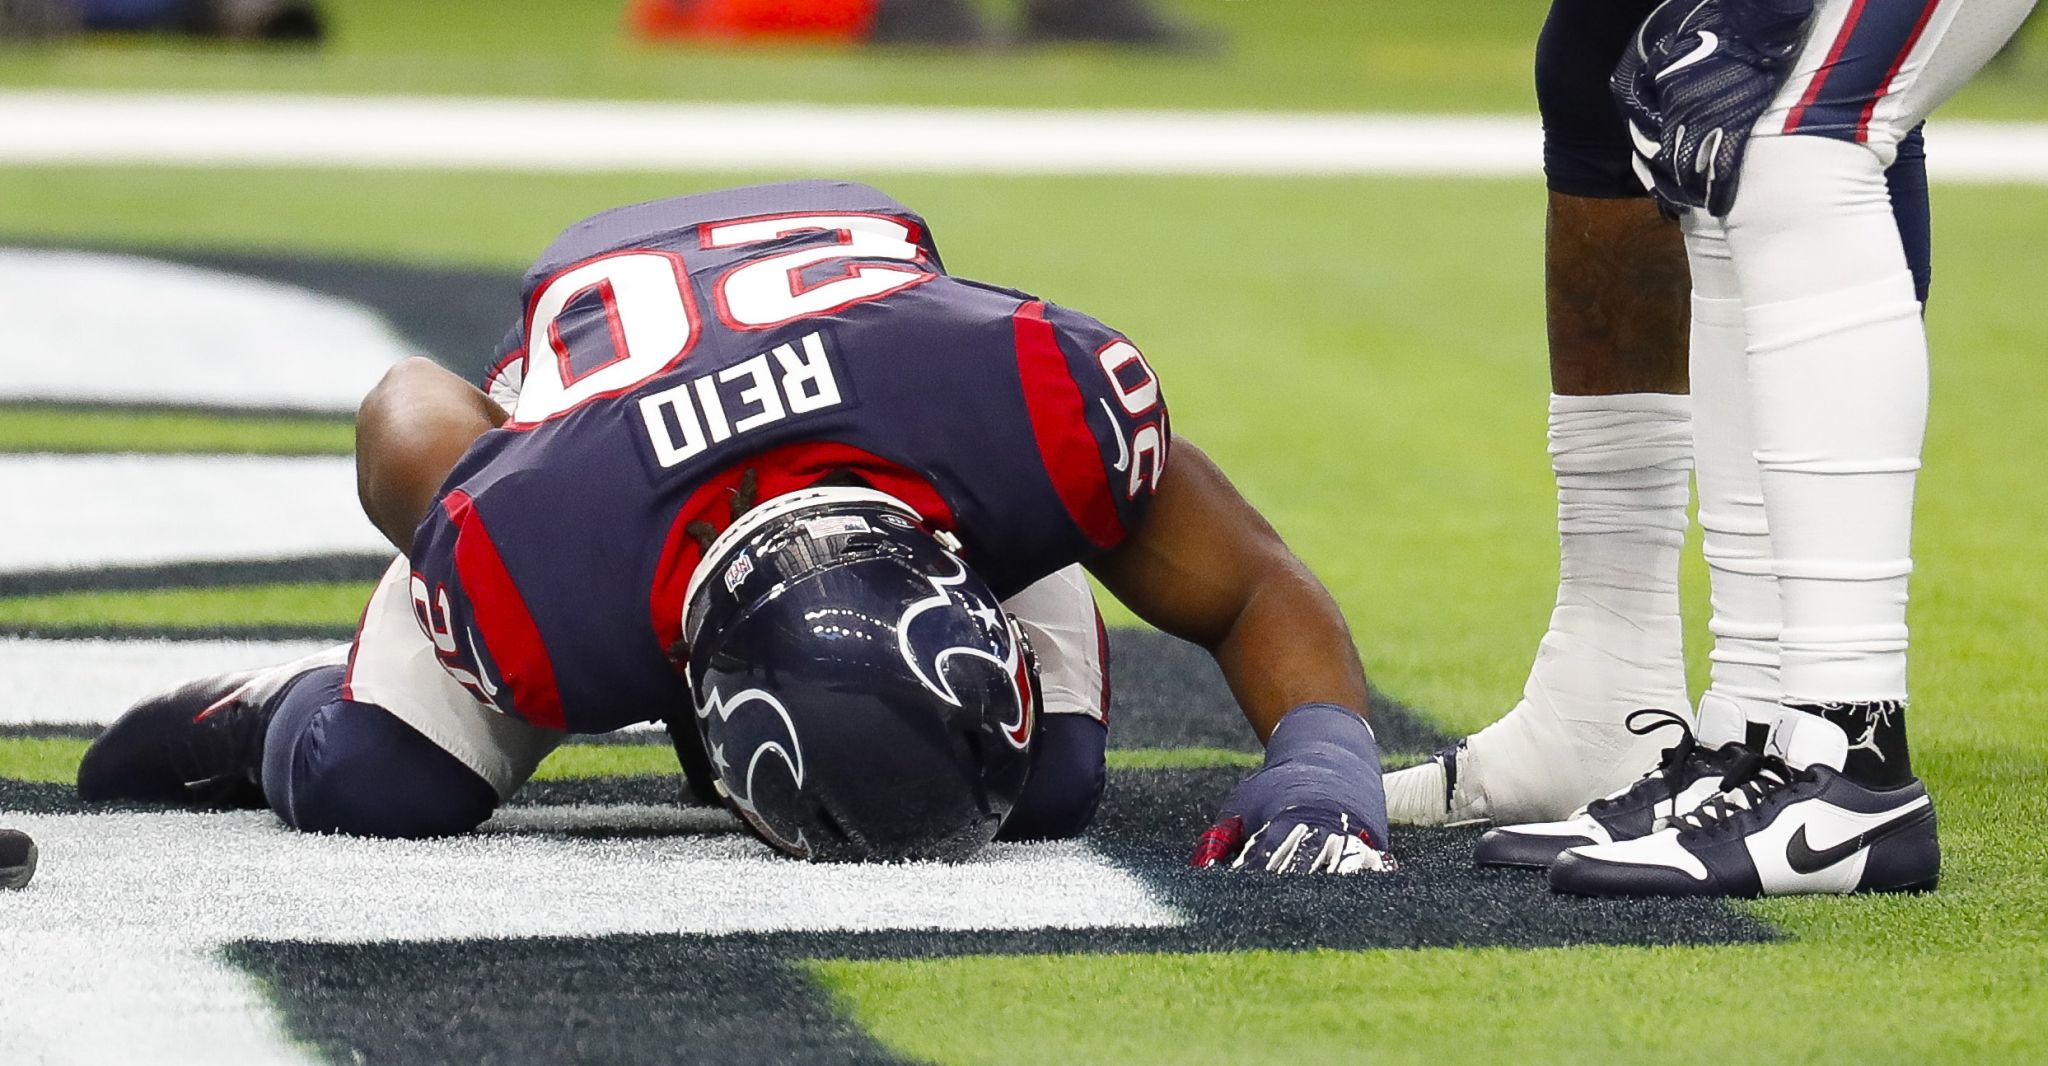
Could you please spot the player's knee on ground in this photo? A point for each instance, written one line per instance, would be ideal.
(333, 765)
(1585, 139)
(1067, 779)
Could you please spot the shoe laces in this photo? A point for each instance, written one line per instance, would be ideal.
(1670, 772)
(1745, 788)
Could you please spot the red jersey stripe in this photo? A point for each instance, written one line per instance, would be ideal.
(1884, 87)
(502, 619)
(1059, 422)
(1820, 77)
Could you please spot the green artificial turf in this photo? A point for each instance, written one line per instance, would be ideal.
(336, 603)
(47, 429)
(51, 760)
(1894, 999)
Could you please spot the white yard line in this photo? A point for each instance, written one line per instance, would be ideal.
(115, 947)
(183, 335)
(90, 682)
(55, 126)
(99, 510)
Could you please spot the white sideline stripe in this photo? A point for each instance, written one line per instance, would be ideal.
(57, 126)
(75, 511)
(561, 135)
(113, 948)
(90, 682)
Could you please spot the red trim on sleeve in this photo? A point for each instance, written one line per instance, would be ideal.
(1059, 421)
(777, 472)
(502, 619)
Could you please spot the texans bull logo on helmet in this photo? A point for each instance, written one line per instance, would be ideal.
(765, 730)
(928, 643)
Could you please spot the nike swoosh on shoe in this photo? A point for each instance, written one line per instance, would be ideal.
(1804, 859)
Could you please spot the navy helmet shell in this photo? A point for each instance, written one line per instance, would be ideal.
(860, 692)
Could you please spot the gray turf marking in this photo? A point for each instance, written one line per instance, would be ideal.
(230, 129)
(96, 510)
(116, 946)
(185, 335)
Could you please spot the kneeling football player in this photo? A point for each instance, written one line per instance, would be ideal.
(754, 465)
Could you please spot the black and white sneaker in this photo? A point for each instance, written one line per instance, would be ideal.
(200, 744)
(1689, 772)
(1785, 823)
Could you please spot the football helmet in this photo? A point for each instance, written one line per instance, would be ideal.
(861, 693)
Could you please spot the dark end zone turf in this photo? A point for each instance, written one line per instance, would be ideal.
(748, 998)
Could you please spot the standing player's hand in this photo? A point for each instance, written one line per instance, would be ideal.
(1693, 84)
(1315, 807)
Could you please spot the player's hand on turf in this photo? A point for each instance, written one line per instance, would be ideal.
(1693, 84)
(1299, 841)
(1315, 807)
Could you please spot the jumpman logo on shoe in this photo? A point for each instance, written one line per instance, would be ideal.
(1876, 716)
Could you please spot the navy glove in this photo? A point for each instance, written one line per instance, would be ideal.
(1692, 85)
(1315, 807)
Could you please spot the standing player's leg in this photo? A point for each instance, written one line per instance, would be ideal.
(1837, 350)
(1837, 372)
(1736, 541)
(1059, 618)
(1620, 444)
(1735, 537)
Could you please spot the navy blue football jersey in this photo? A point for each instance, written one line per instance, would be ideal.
(676, 355)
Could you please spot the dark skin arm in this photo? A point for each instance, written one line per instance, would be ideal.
(410, 431)
(1206, 567)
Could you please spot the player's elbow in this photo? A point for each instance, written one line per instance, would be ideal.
(403, 377)
(410, 428)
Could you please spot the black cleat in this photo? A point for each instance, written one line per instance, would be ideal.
(1687, 774)
(199, 745)
(1786, 823)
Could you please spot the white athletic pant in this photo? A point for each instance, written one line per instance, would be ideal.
(1831, 342)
